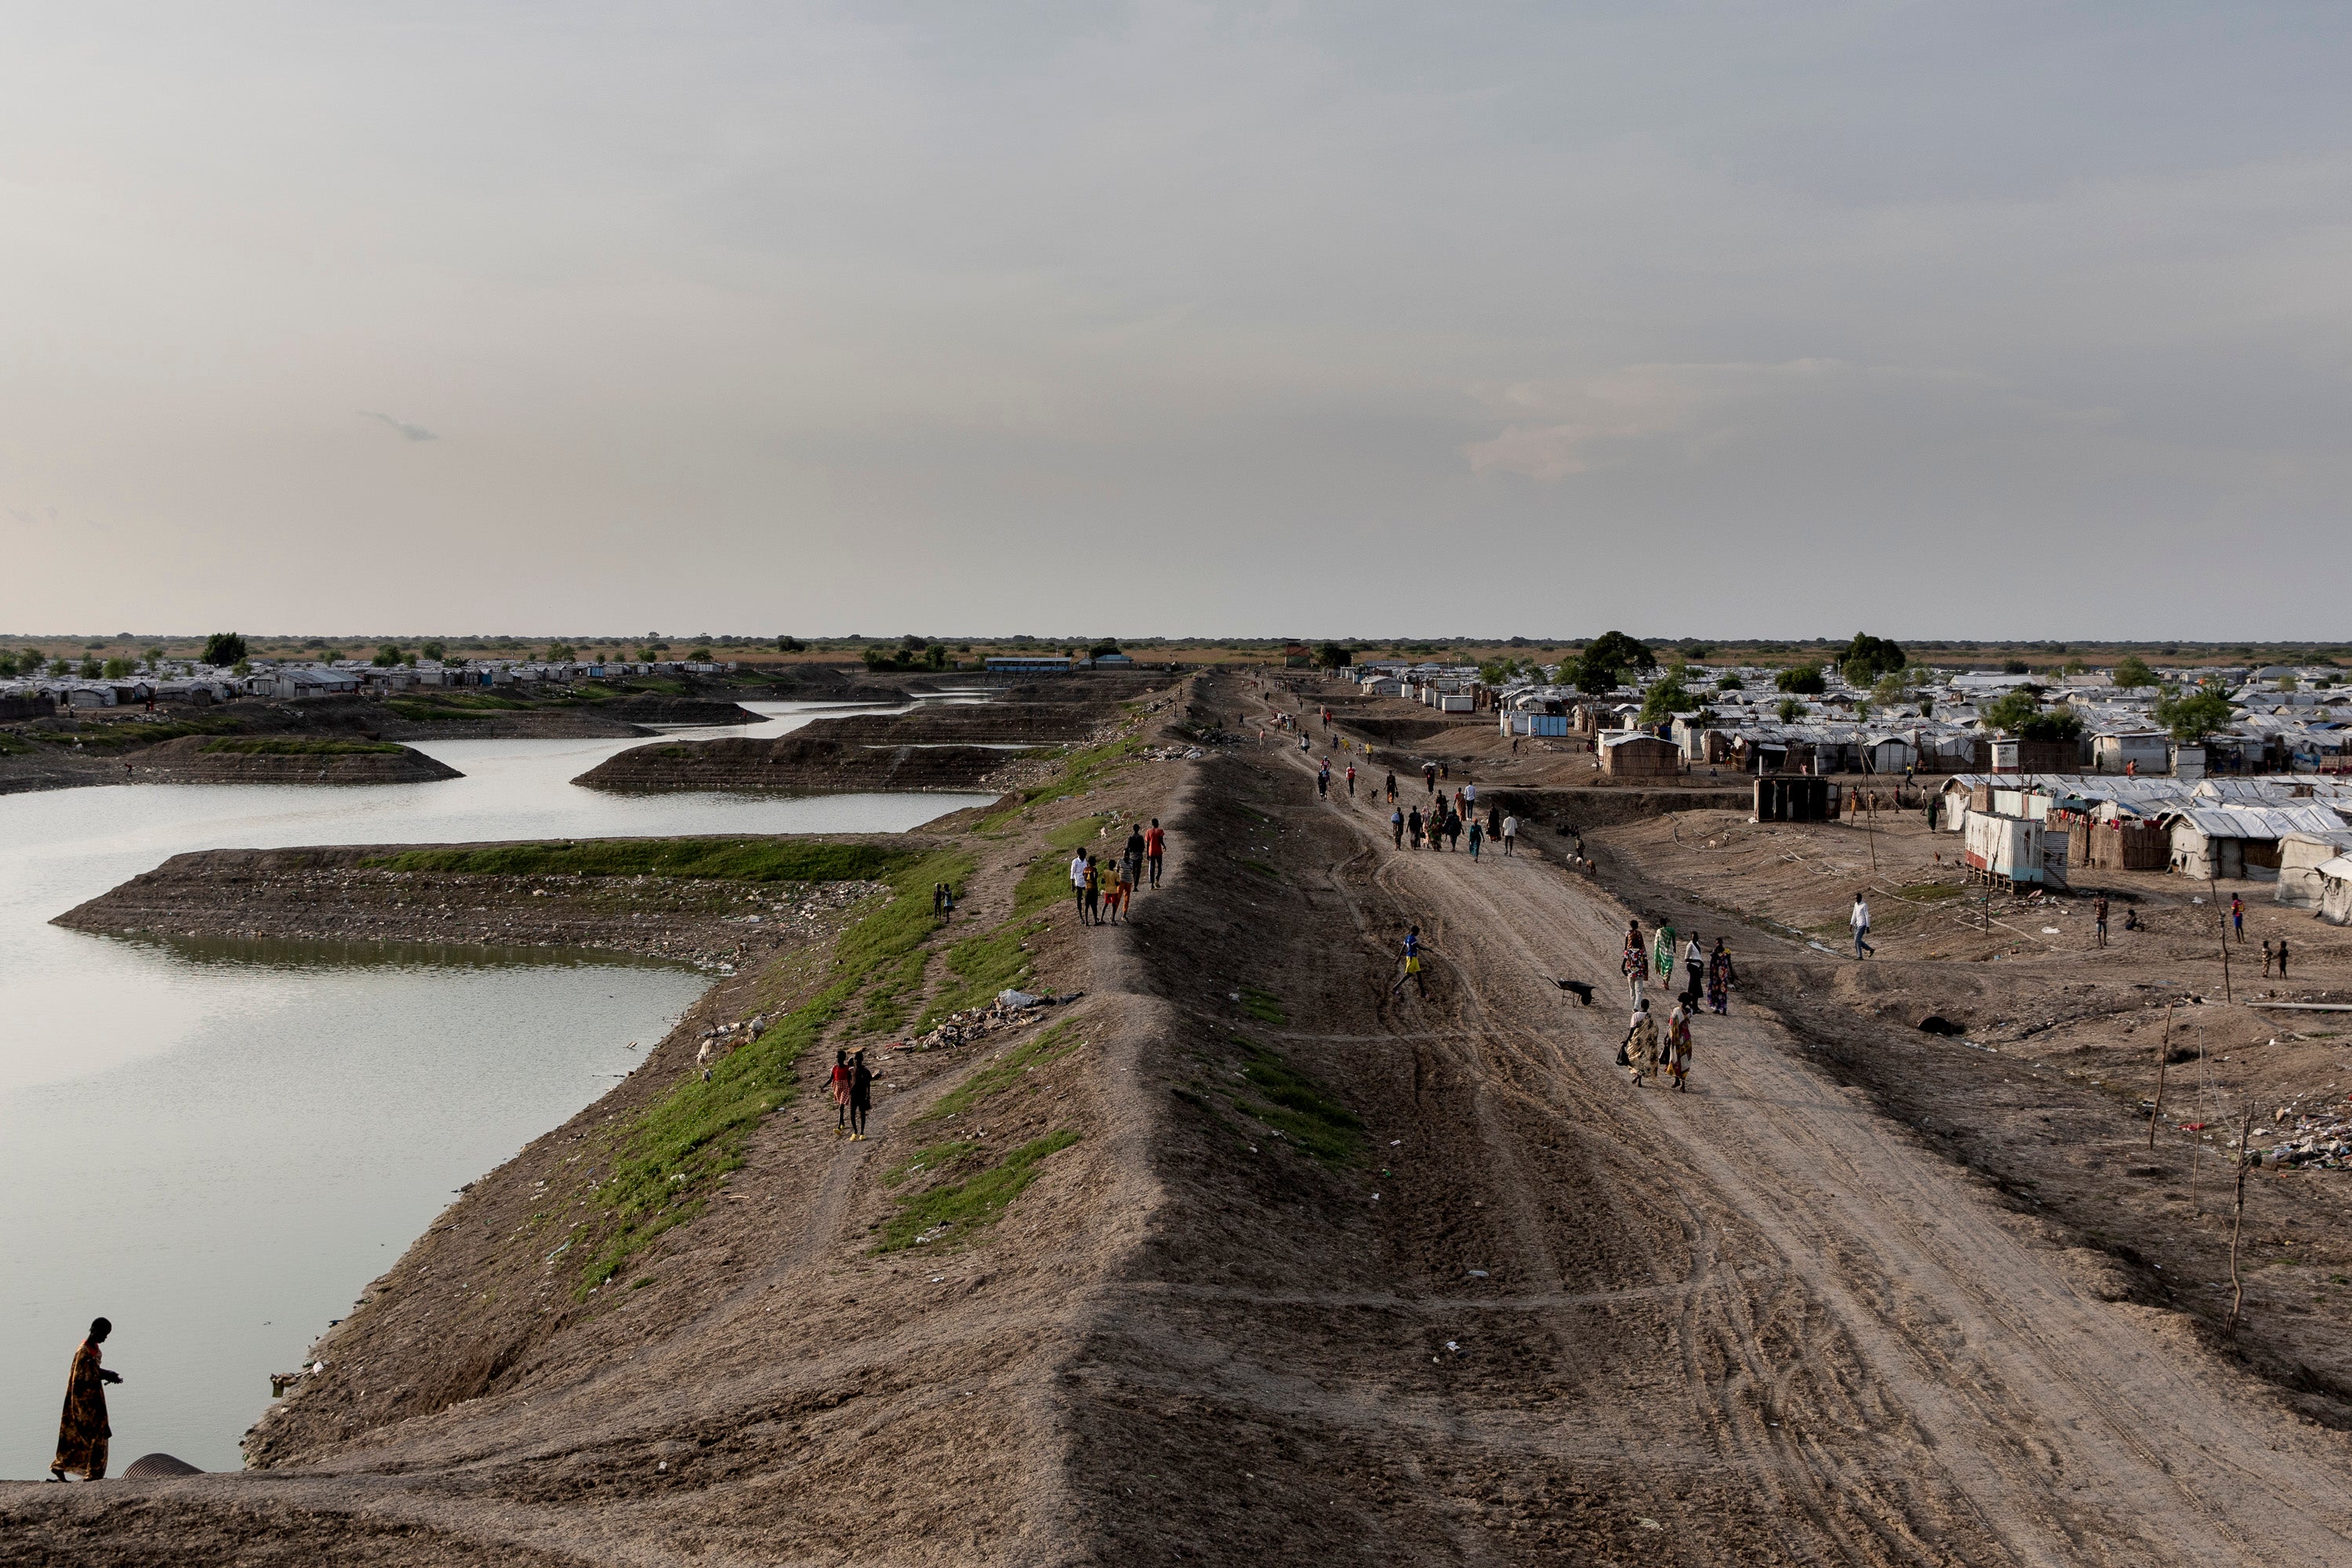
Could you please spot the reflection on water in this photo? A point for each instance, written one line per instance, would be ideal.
(218, 1142)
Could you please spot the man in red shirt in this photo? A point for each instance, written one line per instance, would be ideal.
(1155, 844)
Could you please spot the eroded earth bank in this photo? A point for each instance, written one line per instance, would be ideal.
(1235, 1254)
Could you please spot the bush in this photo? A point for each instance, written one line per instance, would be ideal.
(223, 649)
(387, 656)
(1804, 680)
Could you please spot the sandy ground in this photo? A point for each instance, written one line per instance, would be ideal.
(1518, 1310)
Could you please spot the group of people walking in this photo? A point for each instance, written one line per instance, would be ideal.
(1650, 1047)
(1104, 890)
(1449, 822)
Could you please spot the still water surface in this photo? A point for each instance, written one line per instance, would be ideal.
(218, 1144)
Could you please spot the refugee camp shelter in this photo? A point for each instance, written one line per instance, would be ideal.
(1790, 797)
(2240, 841)
(1637, 755)
(2144, 750)
(2301, 854)
(2335, 891)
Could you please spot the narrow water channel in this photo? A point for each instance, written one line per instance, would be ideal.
(217, 1145)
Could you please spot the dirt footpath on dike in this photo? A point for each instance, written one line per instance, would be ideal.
(1329, 1273)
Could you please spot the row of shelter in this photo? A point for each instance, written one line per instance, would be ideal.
(2292, 829)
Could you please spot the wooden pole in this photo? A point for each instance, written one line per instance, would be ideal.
(2163, 1055)
(1870, 827)
(2215, 889)
(2245, 1155)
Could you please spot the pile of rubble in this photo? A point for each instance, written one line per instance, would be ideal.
(2318, 1139)
(1171, 753)
(1011, 1010)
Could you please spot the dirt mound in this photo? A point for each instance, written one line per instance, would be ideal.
(967, 724)
(284, 759)
(1606, 807)
(794, 763)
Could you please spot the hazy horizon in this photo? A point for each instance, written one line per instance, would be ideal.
(2002, 321)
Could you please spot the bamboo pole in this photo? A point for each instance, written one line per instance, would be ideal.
(1870, 827)
(2238, 1285)
(2163, 1055)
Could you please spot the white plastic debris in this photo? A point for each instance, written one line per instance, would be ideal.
(1010, 998)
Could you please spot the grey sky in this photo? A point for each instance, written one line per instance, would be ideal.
(1773, 318)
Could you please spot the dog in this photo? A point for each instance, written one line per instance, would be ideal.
(1578, 989)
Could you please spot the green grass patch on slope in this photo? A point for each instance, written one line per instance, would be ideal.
(1004, 1072)
(1048, 876)
(667, 1157)
(1296, 1106)
(293, 746)
(937, 1157)
(1082, 770)
(1263, 1005)
(980, 1200)
(731, 859)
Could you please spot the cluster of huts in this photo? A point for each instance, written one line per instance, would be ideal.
(2292, 829)
(200, 685)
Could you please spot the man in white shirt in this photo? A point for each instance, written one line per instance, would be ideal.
(1078, 879)
(1510, 833)
(1860, 920)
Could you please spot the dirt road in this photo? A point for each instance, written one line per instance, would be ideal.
(1892, 1365)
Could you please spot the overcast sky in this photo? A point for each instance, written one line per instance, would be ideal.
(1936, 319)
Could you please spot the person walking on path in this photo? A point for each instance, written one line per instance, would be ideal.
(1412, 826)
(82, 1430)
(1323, 781)
(2099, 921)
(1392, 786)
(1720, 978)
(861, 1094)
(1639, 1051)
(840, 1085)
(1453, 832)
(1695, 966)
(1476, 833)
(1130, 864)
(1155, 848)
(1860, 920)
(1126, 891)
(1396, 825)
(2238, 916)
(1093, 911)
(1411, 964)
(2269, 958)
(2281, 958)
(1510, 835)
(1429, 777)
(1676, 1048)
(1351, 780)
(1494, 823)
(1469, 797)
(1635, 962)
(1078, 880)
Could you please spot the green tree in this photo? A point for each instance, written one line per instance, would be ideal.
(2009, 712)
(2192, 716)
(1107, 647)
(790, 645)
(223, 648)
(1803, 680)
(1791, 710)
(1893, 688)
(91, 670)
(435, 651)
(58, 666)
(1327, 655)
(1730, 682)
(2016, 666)
(1868, 657)
(1615, 650)
(387, 656)
(700, 656)
(1667, 697)
(2132, 672)
(561, 653)
(117, 669)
